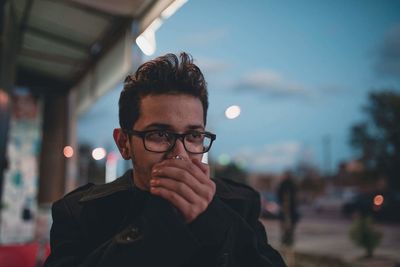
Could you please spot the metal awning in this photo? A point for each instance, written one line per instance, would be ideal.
(62, 40)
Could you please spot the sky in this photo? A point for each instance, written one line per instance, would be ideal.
(300, 71)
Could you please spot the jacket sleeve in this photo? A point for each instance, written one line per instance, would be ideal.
(241, 240)
(156, 238)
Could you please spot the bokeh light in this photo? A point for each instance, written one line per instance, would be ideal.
(112, 157)
(224, 159)
(378, 200)
(68, 151)
(232, 112)
(99, 153)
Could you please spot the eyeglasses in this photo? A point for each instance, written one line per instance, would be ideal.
(160, 141)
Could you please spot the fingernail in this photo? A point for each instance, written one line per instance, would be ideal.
(153, 182)
(153, 189)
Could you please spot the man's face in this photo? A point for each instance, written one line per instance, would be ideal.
(178, 113)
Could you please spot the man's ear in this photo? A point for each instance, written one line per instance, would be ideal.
(122, 142)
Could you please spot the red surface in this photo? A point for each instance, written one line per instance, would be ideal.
(24, 255)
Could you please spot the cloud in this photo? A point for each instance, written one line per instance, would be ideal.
(274, 84)
(272, 157)
(333, 89)
(388, 57)
(271, 83)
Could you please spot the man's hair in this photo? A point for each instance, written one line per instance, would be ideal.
(167, 74)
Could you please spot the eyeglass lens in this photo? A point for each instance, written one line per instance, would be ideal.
(163, 141)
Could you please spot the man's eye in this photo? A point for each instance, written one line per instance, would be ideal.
(158, 136)
(162, 134)
(195, 136)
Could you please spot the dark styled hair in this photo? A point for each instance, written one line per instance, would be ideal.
(167, 74)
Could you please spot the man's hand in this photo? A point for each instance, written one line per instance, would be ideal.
(184, 183)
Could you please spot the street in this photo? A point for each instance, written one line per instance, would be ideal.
(327, 234)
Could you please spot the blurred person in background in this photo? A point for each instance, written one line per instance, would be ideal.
(287, 198)
(289, 216)
(166, 211)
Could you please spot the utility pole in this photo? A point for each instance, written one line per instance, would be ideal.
(326, 144)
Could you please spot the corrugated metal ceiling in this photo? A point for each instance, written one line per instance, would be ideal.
(61, 39)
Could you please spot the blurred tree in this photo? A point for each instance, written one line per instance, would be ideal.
(363, 234)
(306, 169)
(311, 183)
(378, 138)
(231, 171)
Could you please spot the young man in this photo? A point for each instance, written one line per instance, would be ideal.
(167, 211)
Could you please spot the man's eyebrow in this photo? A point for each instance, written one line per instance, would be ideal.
(195, 127)
(164, 126)
(158, 125)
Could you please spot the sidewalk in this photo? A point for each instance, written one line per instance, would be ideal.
(329, 236)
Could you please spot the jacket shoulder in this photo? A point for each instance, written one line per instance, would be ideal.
(91, 191)
(78, 192)
(68, 206)
(74, 195)
(80, 189)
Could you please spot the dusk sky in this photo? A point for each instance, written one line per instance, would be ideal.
(300, 71)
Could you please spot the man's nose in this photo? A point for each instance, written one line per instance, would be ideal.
(179, 149)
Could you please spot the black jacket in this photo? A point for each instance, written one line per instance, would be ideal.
(117, 224)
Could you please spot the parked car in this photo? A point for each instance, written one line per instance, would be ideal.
(382, 206)
(333, 199)
(269, 205)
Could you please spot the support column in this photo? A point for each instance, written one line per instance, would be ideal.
(8, 57)
(71, 172)
(52, 161)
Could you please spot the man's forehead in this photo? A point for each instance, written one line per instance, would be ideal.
(175, 112)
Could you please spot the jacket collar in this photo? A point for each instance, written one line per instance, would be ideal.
(125, 183)
(121, 184)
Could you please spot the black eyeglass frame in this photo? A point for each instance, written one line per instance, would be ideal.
(142, 134)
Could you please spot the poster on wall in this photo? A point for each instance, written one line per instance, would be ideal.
(20, 186)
